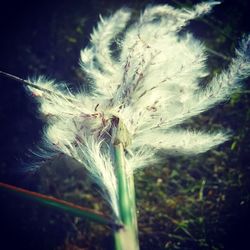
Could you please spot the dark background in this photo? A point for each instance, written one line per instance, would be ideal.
(45, 37)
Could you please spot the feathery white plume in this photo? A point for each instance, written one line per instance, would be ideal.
(151, 86)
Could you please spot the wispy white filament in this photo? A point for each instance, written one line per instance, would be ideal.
(152, 85)
(180, 142)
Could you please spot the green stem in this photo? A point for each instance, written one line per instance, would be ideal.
(62, 205)
(126, 237)
(133, 204)
(123, 187)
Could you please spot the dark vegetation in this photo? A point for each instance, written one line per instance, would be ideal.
(202, 202)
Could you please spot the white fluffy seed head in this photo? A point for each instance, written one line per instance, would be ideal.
(152, 86)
